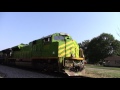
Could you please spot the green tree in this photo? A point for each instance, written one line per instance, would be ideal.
(101, 47)
(93, 50)
(116, 47)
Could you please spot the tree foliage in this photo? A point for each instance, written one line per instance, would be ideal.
(101, 47)
(116, 47)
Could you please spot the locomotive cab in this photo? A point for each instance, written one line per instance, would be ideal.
(70, 55)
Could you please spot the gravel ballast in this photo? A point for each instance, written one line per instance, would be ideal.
(11, 72)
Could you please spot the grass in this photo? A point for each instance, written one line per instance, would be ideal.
(96, 71)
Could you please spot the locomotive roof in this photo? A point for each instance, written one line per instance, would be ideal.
(5, 50)
(53, 34)
(50, 36)
(61, 33)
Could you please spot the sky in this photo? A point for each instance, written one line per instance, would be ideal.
(24, 27)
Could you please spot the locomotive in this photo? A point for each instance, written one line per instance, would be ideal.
(55, 52)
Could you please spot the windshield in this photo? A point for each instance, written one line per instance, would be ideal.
(59, 37)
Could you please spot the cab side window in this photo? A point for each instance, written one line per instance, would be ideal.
(47, 39)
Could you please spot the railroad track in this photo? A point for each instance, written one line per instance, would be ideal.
(54, 74)
(30, 73)
(2, 75)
